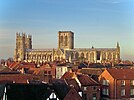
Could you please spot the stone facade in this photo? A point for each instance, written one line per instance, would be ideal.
(65, 51)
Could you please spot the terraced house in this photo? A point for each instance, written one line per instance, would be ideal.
(117, 84)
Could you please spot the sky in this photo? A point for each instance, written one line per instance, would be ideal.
(98, 23)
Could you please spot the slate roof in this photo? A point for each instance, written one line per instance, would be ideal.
(60, 87)
(28, 91)
(92, 71)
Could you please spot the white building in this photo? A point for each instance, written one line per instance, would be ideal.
(60, 71)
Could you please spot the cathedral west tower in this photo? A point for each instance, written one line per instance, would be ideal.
(23, 42)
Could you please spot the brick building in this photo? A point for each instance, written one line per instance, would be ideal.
(117, 84)
(88, 88)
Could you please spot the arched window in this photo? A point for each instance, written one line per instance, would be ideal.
(72, 55)
(66, 40)
(77, 55)
(82, 55)
(86, 55)
(61, 39)
(104, 56)
(92, 57)
(114, 56)
(109, 56)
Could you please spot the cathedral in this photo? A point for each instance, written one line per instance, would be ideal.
(65, 51)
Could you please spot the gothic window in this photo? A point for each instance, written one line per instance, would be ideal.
(113, 55)
(61, 39)
(104, 56)
(29, 57)
(72, 55)
(33, 57)
(39, 57)
(92, 57)
(61, 58)
(44, 57)
(55, 58)
(82, 55)
(109, 56)
(86, 55)
(98, 55)
(66, 40)
(58, 58)
(50, 57)
(77, 55)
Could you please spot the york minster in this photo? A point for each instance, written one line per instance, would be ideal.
(65, 51)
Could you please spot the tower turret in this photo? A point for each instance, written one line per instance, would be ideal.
(29, 42)
(118, 51)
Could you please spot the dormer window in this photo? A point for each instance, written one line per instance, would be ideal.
(122, 82)
(53, 97)
(105, 82)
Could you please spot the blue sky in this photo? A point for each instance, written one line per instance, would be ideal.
(100, 23)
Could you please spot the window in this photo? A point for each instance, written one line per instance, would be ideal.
(105, 82)
(45, 72)
(132, 92)
(66, 40)
(52, 96)
(132, 82)
(122, 82)
(49, 72)
(94, 96)
(94, 88)
(105, 91)
(122, 92)
(84, 96)
(85, 88)
(61, 39)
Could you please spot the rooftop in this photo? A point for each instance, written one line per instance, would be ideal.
(125, 73)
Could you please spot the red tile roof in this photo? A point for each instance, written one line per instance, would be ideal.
(73, 83)
(17, 78)
(85, 80)
(72, 95)
(6, 70)
(14, 65)
(121, 73)
(68, 75)
(19, 65)
(48, 66)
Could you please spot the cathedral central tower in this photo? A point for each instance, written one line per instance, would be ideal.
(66, 40)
